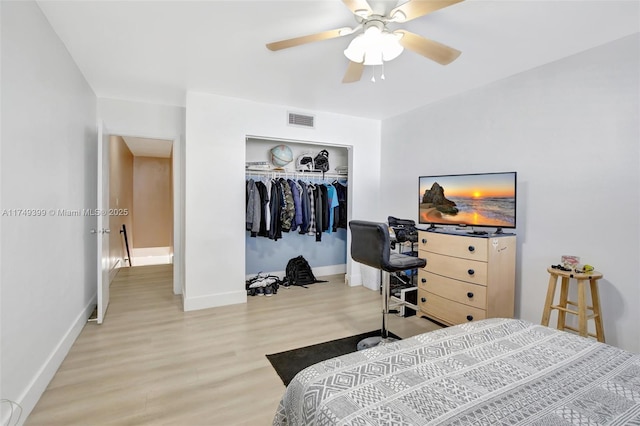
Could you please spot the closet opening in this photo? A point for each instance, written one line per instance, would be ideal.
(268, 251)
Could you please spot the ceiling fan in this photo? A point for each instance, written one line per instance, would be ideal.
(376, 43)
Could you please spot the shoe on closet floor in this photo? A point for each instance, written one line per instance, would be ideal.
(257, 283)
(268, 291)
(260, 291)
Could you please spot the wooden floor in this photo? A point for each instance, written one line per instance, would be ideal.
(150, 363)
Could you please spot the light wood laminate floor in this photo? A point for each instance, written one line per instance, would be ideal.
(150, 363)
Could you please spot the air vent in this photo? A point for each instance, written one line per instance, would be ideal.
(301, 120)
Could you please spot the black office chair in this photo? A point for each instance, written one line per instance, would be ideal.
(370, 245)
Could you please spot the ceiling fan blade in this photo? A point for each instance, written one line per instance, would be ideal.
(359, 7)
(416, 8)
(325, 35)
(354, 72)
(431, 49)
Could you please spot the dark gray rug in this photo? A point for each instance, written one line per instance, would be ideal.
(287, 364)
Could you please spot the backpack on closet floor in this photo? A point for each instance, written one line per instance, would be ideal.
(299, 272)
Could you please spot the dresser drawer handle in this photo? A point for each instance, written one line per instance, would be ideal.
(469, 317)
(424, 280)
(471, 272)
(472, 248)
(424, 299)
(424, 241)
(470, 295)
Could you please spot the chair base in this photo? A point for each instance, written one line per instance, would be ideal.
(371, 342)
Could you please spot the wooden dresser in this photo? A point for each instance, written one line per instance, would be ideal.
(467, 277)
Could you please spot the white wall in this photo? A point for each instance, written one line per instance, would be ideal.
(215, 182)
(48, 162)
(129, 118)
(571, 131)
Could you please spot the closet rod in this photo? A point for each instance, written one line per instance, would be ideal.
(311, 175)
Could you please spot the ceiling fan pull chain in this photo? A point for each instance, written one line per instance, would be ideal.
(373, 73)
(382, 75)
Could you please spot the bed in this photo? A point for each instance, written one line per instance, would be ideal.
(490, 372)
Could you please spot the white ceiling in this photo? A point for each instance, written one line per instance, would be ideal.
(156, 51)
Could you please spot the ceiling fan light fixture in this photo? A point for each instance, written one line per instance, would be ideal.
(374, 46)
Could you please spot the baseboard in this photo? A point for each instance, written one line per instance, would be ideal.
(318, 271)
(151, 260)
(323, 271)
(38, 385)
(214, 300)
(353, 280)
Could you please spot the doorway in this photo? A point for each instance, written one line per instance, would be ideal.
(141, 198)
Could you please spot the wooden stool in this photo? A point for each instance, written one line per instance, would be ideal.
(582, 307)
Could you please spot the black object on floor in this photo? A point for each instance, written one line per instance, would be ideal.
(287, 364)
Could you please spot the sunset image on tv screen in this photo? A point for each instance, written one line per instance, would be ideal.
(474, 200)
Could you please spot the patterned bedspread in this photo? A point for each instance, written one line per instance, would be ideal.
(491, 372)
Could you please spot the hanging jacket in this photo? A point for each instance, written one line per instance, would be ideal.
(275, 205)
(297, 205)
(253, 208)
(304, 202)
(312, 209)
(264, 202)
(319, 211)
(332, 196)
(288, 210)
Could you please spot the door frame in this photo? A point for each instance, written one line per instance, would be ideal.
(177, 174)
(102, 230)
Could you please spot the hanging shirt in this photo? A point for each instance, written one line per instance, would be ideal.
(288, 208)
(275, 204)
(304, 202)
(332, 195)
(319, 210)
(267, 208)
(264, 202)
(253, 208)
(312, 210)
(341, 221)
(297, 205)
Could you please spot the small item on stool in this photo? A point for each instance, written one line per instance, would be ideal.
(570, 261)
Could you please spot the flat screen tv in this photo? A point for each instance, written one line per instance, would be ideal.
(468, 200)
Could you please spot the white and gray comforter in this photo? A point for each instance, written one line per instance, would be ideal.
(491, 372)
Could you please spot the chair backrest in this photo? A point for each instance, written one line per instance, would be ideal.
(370, 243)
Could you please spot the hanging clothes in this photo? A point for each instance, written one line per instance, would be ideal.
(288, 209)
(332, 196)
(319, 211)
(263, 230)
(253, 208)
(297, 205)
(341, 221)
(275, 204)
(312, 209)
(278, 205)
(304, 203)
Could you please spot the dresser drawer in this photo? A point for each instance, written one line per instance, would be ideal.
(457, 291)
(472, 271)
(458, 246)
(447, 311)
